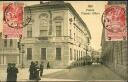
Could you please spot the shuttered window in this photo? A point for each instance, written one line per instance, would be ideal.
(29, 53)
(43, 53)
(58, 53)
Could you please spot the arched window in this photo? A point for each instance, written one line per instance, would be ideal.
(58, 25)
(43, 24)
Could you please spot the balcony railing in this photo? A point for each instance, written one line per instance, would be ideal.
(42, 38)
(67, 39)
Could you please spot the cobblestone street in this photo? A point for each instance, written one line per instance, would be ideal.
(93, 72)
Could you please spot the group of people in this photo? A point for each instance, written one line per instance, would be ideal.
(36, 70)
(12, 71)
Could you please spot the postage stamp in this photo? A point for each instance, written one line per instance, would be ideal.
(12, 20)
(114, 19)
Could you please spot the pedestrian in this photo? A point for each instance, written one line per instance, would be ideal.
(83, 63)
(41, 69)
(14, 72)
(9, 72)
(31, 70)
(97, 60)
(37, 69)
(48, 66)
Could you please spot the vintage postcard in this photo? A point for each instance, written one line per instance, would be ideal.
(63, 41)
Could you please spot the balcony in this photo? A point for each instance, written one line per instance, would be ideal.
(28, 40)
(9, 51)
(42, 38)
(48, 39)
(55, 39)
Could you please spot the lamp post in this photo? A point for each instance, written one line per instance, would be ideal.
(22, 51)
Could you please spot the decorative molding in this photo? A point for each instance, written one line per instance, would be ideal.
(58, 18)
(43, 16)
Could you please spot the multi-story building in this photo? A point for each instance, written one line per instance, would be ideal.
(55, 34)
(9, 52)
(114, 53)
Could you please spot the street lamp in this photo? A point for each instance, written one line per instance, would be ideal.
(22, 51)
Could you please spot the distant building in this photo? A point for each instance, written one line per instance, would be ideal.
(56, 34)
(96, 56)
(9, 52)
(114, 53)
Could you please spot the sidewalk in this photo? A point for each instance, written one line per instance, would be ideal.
(23, 74)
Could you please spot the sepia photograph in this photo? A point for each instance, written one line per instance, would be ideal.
(63, 41)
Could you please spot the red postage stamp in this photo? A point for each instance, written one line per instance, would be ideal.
(115, 22)
(12, 21)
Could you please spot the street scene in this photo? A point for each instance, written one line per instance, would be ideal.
(64, 41)
(91, 72)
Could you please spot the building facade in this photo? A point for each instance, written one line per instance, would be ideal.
(114, 53)
(9, 52)
(55, 34)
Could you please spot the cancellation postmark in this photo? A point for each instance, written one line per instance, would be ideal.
(13, 14)
(12, 21)
(114, 22)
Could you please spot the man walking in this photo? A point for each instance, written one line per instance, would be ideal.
(41, 69)
(48, 66)
(31, 70)
(37, 69)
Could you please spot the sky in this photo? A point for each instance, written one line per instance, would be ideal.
(93, 21)
(90, 15)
